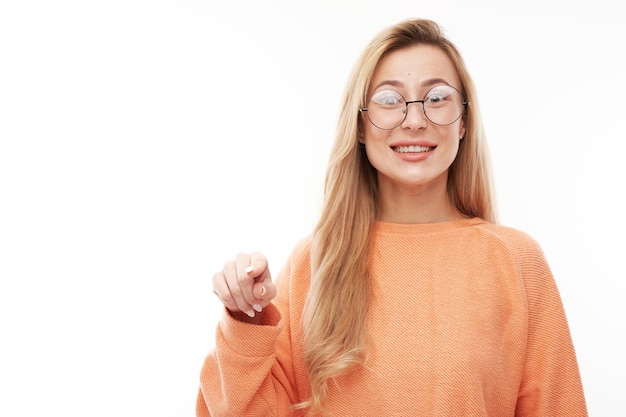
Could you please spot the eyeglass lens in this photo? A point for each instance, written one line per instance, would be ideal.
(442, 105)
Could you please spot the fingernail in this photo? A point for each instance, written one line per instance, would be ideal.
(263, 291)
(250, 313)
(249, 269)
(257, 307)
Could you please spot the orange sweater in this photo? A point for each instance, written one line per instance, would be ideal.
(466, 320)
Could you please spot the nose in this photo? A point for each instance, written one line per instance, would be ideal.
(415, 117)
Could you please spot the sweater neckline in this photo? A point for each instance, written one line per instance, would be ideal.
(425, 228)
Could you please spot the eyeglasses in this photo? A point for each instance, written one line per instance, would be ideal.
(442, 105)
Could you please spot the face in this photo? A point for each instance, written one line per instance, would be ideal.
(417, 153)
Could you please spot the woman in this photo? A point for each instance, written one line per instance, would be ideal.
(407, 299)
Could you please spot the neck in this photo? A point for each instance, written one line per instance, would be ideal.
(416, 204)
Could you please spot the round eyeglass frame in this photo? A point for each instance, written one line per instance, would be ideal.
(465, 105)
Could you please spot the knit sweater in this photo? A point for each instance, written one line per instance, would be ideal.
(465, 320)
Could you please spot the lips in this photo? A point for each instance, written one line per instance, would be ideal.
(412, 148)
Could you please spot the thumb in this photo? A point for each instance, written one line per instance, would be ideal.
(260, 290)
(258, 268)
(264, 291)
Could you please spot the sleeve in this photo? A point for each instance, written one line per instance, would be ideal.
(551, 383)
(249, 372)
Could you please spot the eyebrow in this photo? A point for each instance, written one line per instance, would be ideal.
(398, 84)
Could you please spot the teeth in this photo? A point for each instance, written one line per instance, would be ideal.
(412, 148)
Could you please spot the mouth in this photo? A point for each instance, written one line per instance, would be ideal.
(412, 149)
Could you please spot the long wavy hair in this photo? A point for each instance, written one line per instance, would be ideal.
(334, 317)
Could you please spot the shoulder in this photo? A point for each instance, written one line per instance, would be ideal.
(301, 251)
(298, 263)
(521, 246)
(294, 278)
(513, 238)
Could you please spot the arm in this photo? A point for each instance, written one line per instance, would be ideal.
(249, 371)
(551, 383)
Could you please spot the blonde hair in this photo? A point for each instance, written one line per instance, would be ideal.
(334, 318)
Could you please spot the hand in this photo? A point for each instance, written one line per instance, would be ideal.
(245, 285)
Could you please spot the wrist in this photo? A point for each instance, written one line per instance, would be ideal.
(243, 317)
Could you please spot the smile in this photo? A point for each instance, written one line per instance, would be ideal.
(413, 149)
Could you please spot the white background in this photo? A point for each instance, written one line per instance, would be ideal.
(144, 143)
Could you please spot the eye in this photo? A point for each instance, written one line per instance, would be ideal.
(387, 98)
(439, 95)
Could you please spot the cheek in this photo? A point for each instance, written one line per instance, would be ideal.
(453, 133)
(372, 135)
(452, 143)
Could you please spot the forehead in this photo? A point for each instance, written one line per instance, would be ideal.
(414, 66)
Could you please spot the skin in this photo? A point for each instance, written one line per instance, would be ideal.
(245, 286)
(412, 186)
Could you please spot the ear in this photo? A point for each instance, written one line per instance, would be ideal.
(462, 130)
(360, 136)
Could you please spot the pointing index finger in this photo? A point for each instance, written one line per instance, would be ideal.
(258, 267)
